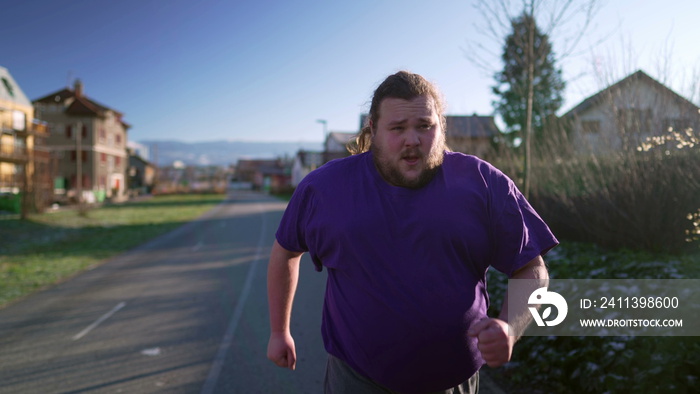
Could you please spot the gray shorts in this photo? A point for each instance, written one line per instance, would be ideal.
(342, 379)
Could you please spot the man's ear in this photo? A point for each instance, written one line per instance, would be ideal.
(371, 127)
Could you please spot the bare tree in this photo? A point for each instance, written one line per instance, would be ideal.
(567, 21)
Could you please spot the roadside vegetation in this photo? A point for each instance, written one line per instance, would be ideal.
(634, 214)
(612, 364)
(53, 246)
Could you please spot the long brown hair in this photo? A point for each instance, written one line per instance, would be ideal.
(403, 85)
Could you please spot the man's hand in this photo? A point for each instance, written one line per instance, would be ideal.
(497, 336)
(495, 345)
(281, 350)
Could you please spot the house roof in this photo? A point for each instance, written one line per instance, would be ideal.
(10, 90)
(135, 155)
(136, 159)
(83, 106)
(341, 137)
(639, 75)
(79, 104)
(471, 126)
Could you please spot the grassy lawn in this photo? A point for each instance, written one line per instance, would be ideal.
(49, 247)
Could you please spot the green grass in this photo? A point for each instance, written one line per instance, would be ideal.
(50, 247)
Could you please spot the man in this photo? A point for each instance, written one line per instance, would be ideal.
(407, 231)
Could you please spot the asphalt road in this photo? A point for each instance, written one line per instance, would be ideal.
(184, 313)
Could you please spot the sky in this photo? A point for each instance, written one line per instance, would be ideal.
(268, 70)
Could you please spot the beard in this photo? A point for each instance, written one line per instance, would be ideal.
(390, 171)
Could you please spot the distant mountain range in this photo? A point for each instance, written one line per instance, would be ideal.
(221, 153)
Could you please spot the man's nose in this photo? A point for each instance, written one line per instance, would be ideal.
(412, 138)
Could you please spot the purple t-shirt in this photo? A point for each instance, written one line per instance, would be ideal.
(406, 267)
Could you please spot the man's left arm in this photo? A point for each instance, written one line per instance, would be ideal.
(497, 336)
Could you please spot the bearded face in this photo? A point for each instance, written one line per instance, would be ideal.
(408, 142)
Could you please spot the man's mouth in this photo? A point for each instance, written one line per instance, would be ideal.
(410, 159)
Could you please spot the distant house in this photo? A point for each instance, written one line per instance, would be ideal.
(621, 116)
(335, 145)
(247, 170)
(139, 149)
(86, 137)
(276, 179)
(274, 176)
(140, 174)
(24, 161)
(470, 134)
(305, 162)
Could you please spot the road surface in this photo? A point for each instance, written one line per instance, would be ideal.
(184, 313)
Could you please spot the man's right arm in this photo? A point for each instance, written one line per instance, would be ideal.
(282, 279)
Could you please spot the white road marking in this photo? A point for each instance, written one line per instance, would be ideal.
(227, 341)
(198, 246)
(99, 321)
(151, 352)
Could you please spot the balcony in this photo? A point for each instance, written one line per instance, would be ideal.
(13, 154)
(39, 128)
(35, 128)
(11, 181)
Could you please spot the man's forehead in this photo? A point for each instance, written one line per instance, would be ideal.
(421, 106)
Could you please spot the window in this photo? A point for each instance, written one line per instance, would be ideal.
(84, 133)
(69, 131)
(590, 126)
(103, 157)
(103, 134)
(117, 160)
(118, 138)
(19, 120)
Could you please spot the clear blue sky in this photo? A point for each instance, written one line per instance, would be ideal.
(262, 70)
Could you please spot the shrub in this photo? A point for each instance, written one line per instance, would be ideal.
(638, 199)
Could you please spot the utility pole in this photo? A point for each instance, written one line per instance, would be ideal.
(325, 127)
